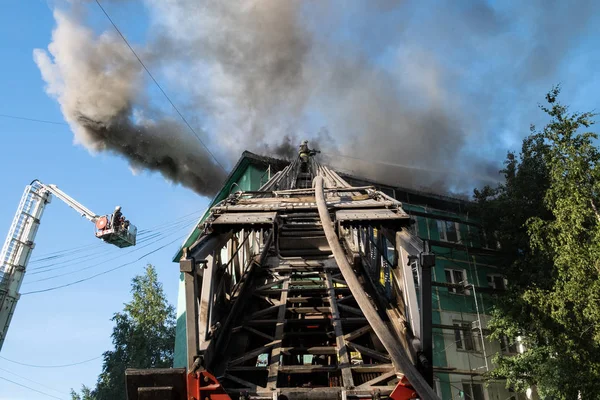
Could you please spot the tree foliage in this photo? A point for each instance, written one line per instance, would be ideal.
(547, 221)
(86, 394)
(143, 337)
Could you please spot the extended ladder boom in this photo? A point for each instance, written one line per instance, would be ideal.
(19, 243)
(17, 250)
(75, 205)
(299, 291)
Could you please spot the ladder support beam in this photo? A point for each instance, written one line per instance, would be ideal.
(392, 345)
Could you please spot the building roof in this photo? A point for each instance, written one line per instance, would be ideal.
(443, 197)
(248, 158)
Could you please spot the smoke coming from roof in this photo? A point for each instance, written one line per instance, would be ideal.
(441, 87)
(98, 83)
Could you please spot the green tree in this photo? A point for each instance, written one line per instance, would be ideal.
(86, 394)
(143, 336)
(547, 221)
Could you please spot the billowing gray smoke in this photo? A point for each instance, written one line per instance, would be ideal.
(440, 88)
(98, 83)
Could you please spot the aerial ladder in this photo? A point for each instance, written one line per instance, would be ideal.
(20, 242)
(303, 290)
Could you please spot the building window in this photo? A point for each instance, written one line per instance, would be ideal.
(508, 346)
(472, 391)
(496, 281)
(457, 276)
(449, 231)
(463, 336)
(489, 240)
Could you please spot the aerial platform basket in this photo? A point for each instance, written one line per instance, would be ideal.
(118, 236)
(20, 241)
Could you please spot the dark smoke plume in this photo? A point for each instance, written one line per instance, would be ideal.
(97, 83)
(158, 147)
(439, 87)
(287, 149)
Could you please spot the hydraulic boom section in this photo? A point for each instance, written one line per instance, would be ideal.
(19, 244)
(111, 228)
(302, 291)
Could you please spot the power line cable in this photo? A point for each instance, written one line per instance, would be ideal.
(159, 87)
(145, 236)
(67, 253)
(140, 233)
(174, 220)
(102, 255)
(50, 366)
(32, 381)
(33, 119)
(100, 248)
(391, 164)
(94, 266)
(183, 224)
(87, 256)
(85, 268)
(30, 388)
(104, 272)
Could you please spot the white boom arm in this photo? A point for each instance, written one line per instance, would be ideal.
(75, 205)
(19, 244)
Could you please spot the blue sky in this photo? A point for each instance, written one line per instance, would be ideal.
(71, 324)
(482, 65)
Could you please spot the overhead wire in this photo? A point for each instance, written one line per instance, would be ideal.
(410, 167)
(103, 262)
(391, 164)
(33, 119)
(109, 270)
(32, 381)
(159, 87)
(104, 272)
(95, 255)
(50, 366)
(67, 254)
(201, 211)
(101, 251)
(64, 253)
(141, 233)
(30, 388)
(87, 267)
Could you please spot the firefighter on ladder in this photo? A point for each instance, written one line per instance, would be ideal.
(304, 152)
(116, 218)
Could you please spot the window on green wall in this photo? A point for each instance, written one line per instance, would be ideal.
(448, 231)
(496, 281)
(463, 336)
(489, 240)
(472, 391)
(457, 276)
